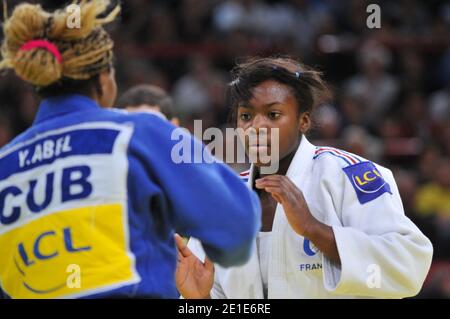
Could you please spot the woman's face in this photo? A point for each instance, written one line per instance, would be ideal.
(273, 105)
(109, 88)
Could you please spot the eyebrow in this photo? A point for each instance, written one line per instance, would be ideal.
(249, 106)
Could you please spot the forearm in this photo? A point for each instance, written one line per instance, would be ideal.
(322, 236)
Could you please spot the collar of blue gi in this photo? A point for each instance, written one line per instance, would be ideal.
(64, 104)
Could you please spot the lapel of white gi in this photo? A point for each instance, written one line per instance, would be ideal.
(298, 171)
(299, 168)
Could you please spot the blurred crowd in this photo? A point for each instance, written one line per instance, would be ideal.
(391, 85)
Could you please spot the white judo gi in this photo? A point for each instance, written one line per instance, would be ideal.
(383, 254)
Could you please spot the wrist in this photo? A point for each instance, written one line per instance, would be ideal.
(311, 228)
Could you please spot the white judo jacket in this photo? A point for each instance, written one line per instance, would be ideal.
(383, 254)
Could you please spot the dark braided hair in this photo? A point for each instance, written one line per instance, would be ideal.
(85, 51)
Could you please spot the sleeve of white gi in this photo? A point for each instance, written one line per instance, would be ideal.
(383, 254)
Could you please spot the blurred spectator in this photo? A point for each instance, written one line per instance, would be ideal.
(412, 17)
(198, 92)
(446, 137)
(327, 123)
(413, 77)
(248, 15)
(434, 197)
(407, 185)
(353, 110)
(357, 140)
(144, 98)
(373, 85)
(433, 200)
(415, 121)
(194, 17)
(135, 72)
(427, 163)
(439, 110)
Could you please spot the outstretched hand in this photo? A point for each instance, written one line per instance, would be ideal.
(194, 279)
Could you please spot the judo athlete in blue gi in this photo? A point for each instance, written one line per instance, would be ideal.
(89, 197)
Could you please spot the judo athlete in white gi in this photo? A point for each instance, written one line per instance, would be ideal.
(333, 224)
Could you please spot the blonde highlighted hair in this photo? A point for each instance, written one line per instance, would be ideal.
(84, 52)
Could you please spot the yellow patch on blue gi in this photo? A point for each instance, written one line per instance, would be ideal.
(89, 240)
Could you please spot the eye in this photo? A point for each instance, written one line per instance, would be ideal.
(273, 115)
(245, 117)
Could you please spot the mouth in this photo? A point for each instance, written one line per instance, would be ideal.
(259, 151)
(258, 146)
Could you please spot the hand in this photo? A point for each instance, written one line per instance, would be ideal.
(193, 278)
(285, 192)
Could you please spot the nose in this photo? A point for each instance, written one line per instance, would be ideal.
(260, 130)
(260, 122)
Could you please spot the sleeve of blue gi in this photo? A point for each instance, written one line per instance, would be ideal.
(206, 200)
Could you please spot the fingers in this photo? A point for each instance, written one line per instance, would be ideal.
(280, 187)
(183, 249)
(266, 184)
(209, 265)
(272, 186)
(280, 181)
(276, 194)
(269, 181)
(271, 178)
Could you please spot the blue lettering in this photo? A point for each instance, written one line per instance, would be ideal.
(31, 202)
(37, 252)
(7, 220)
(307, 247)
(69, 244)
(75, 185)
(23, 254)
(307, 267)
(68, 181)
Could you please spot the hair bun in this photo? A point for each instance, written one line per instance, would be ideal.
(37, 66)
(87, 51)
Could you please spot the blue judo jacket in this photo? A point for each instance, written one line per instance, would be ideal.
(90, 199)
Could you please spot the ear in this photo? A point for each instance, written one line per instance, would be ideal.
(100, 86)
(304, 122)
(107, 88)
(103, 81)
(175, 121)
